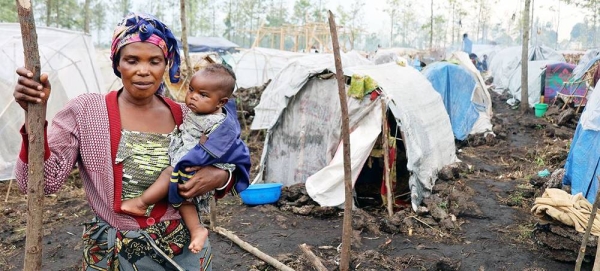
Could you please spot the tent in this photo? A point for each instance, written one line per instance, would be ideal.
(556, 80)
(301, 113)
(505, 66)
(584, 78)
(583, 162)
(68, 58)
(254, 67)
(466, 99)
(209, 44)
(535, 78)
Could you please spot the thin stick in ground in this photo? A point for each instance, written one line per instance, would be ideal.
(339, 74)
(255, 251)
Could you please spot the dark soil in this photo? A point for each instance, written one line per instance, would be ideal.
(478, 217)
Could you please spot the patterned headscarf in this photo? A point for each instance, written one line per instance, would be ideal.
(141, 27)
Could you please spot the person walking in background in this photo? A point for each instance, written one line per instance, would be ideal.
(467, 45)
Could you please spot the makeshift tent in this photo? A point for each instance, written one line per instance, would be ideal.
(66, 56)
(209, 44)
(459, 89)
(505, 66)
(584, 78)
(300, 110)
(556, 80)
(535, 78)
(583, 162)
(254, 67)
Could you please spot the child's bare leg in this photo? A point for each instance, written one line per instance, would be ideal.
(198, 232)
(157, 191)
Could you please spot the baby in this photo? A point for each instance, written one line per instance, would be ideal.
(209, 91)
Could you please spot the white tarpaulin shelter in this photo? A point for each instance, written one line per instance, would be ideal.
(66, 56)
(254, 67)
(300, 110)
(506, 62)
(535, 72)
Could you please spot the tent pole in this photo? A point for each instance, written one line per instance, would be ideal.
(339, 74)
(386, 157)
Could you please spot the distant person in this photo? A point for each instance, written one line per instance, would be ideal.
(475, 60)
(417, 63)
(467, 46)
(484, 64)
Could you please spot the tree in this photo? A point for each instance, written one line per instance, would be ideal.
(98, 17)
(592, 7)
(86, 17)
(352, 21)
(8, 11)
(525, 59)
(392, 10)
(301, 10)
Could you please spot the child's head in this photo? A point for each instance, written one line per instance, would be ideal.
(210, 89)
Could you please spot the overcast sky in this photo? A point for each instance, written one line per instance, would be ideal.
(376, 20)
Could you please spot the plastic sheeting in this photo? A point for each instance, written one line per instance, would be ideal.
(583, 162)
(506, 62)
(302, 114)
(66, 56)
(254, 67)
(420, 114)
(536, 70)
(585, 62)
(290, 80)
(456, 86)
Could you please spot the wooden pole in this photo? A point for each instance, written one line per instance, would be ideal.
(184, 42)
(213, 213)
(255, 251)
(586, 236)
(525, 60)
(36, 116)
(386, 158)
(312, 258)
(339, 74)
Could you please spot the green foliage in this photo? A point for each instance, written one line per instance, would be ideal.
(8, 11)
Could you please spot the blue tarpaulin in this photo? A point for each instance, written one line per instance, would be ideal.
(583, 162)
(456, 85)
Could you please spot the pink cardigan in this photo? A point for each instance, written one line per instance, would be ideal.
(88, 131)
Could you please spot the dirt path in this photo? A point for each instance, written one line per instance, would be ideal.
(487, 223)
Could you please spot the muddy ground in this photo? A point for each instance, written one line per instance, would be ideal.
(477, 219)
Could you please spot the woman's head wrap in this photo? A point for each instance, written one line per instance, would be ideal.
(141, 27)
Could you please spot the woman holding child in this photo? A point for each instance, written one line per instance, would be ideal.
(120, 142)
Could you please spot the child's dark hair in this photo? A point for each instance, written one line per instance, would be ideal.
(224, 73)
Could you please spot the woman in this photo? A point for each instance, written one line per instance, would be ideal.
(120, 144)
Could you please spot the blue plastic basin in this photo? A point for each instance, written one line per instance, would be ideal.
(263, 193)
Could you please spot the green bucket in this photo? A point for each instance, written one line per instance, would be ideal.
(540, 109)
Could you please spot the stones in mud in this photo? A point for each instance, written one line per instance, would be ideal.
(555, 180)
(565, 117)
(449, 173)
(561, 242)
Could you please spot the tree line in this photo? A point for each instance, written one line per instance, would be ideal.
(410, 23)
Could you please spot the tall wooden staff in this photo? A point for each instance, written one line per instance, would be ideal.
(339, 74)
(36, 116)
